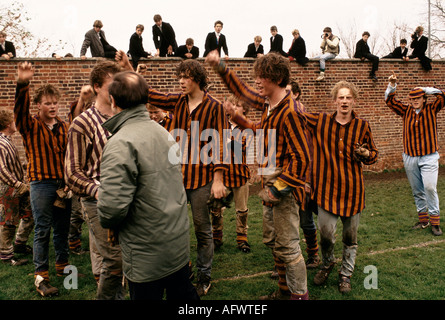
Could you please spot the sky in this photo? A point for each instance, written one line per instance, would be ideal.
(243, 19)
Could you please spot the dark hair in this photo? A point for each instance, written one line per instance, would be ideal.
(189, 42)
(46, 90)
(403, 41)
(327, 29)
(218, 22)
(194, 70)
(129, 89)
(157, 17)
(366, 33)
(6, 118)
(102, 70)
(295, 87)
(274, 67)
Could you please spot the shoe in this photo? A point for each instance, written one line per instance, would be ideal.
(436, 230)
(277, 295)
(203, 286)
(313, 262)
(323, 274)
(344, 284)
(244, 247)
(16, 262)
(44, 288)
(373, 77)
(320, 77)
(421, 225)
(78, 251)
(22, 248)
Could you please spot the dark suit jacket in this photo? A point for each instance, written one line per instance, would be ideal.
(298, 51)
(182, 50)
(136, 49)
(397, 53)
(252, 52)
(419, 45)
(276, 45)
(164, 39)
(9, 47)
(361, 49)
(211, 44)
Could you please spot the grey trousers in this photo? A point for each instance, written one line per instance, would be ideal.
(327, 226)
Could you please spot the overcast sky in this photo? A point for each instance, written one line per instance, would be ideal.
(243, 19)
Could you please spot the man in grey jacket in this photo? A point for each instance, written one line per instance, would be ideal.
(95, 40)
(142, 197)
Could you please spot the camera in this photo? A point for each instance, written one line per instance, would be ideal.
(414, 35)
(324, 35)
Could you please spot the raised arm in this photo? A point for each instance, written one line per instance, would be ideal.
(239, 88)
(23, 118)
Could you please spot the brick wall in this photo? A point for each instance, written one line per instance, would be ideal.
(71, 74)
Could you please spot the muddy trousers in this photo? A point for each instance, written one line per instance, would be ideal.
(327, 227)
(281, 225)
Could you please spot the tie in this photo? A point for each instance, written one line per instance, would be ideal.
(217, 39)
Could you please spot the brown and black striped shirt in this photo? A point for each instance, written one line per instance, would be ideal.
(419, 129)
(197, 171)
(86, 140)
(337, 179)
(45, 148)
(283, 134)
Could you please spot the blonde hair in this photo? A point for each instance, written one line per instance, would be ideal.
(341, 85)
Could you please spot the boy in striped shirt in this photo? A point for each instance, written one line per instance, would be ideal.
(236, 179)
(337, 178)
(195, 114)
(420, 149)
(44, 136)
(15, 207)
(284, 158)
(86, 140)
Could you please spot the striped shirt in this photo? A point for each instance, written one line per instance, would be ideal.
(209, 114)
(419, 129)
(86, 140)
(11, 170)
(337, 179)
(45, 148)
(238, 173)
(283, 134)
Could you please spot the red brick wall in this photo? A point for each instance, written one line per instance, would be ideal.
(71, 74)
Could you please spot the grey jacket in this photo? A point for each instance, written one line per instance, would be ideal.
(92, 41)
(142, 196)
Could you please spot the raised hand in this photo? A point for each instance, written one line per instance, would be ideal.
(25, 71)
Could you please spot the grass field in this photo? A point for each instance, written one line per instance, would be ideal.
(406, 264)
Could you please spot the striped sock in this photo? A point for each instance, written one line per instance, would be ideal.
(435, 220)
(423, 217)
(74, 244)
(60, 266)
(281, 269)
(217, 235)
(240, 238)
(311, 243)
(44, 274)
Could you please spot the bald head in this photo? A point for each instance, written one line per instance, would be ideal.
(128, 89)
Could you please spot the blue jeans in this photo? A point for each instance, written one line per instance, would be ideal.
(422, 173)
(47, 216)
(323, 58)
